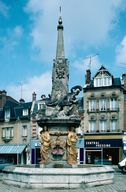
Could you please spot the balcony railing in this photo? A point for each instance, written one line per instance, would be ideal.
(103, 131)
(7, 139)
(103, 110)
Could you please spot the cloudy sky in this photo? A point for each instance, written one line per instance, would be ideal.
(28, 34)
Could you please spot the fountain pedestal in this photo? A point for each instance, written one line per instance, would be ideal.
(58, 129)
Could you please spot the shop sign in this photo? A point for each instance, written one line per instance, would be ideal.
(104, 143)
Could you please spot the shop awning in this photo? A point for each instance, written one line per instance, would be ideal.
(12, 148)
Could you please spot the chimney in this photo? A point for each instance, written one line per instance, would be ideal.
(22, 101)
(124, 80)
(33, 96)
(3, 98)
(88, 76)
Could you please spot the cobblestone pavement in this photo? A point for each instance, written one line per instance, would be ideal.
(119, 185)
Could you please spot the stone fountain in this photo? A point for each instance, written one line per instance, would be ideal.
(59, 119)
(59, 116)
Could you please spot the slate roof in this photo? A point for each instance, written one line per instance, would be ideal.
(102, 68)
(16, 110)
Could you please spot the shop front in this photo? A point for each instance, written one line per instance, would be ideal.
(103, 151)
(13, 153)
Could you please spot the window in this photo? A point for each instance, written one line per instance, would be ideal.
(40, 106)
(7, 114)
(25, 112)
(92, 126)
(92, 105)
(102, 80)
(97, 82)
(113, 104)
(113, 124)
(7, 132)
(102, 104)
(24, 131)
(102, 125)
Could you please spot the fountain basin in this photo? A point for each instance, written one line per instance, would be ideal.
(31, 177)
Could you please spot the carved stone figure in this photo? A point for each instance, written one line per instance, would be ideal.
(66, 106)
(60, 71)
(68, 99)
(45, 144)
(58, 147)
(71, 147)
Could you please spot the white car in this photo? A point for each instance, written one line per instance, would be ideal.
(122, 165)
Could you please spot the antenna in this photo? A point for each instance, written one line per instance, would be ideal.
(90, 59)
(60, 10)
(21, 88)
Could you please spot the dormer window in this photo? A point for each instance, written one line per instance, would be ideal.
(102, 78)
(25, 112)
(102, 81)
(7, 114)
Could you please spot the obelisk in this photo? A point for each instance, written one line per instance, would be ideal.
(60, 72)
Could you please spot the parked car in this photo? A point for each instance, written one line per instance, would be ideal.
(122, 165)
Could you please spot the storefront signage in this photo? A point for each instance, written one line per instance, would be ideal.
(103, 143)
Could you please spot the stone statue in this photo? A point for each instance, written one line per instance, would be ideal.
(67, 105)
(68, 99)
(71, 147)
(45, 144)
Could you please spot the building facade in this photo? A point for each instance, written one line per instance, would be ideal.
(104, 117)
(15, 129)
